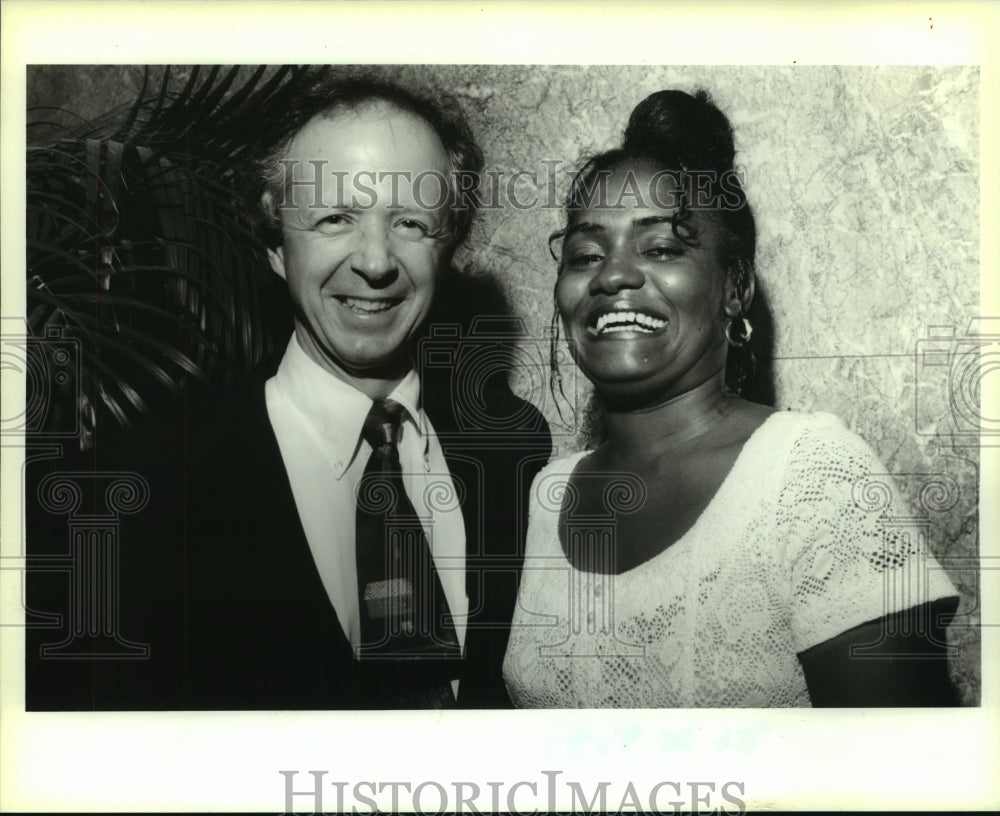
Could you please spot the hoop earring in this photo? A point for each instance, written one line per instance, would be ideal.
(747, 332)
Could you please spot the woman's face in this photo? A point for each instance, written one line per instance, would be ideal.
(645, 311)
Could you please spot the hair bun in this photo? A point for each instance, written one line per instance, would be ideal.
(675, 127)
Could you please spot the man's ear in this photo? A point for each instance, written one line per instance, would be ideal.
(446, 260)
(276, 257)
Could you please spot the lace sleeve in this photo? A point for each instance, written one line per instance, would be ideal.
(853, 551)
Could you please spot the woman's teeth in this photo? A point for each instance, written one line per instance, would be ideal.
(628, 321)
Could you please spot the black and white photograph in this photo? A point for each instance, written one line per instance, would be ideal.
(354, 406)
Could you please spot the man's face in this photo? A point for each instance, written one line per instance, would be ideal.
(363, 268)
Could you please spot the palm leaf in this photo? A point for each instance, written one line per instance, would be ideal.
(140, 248)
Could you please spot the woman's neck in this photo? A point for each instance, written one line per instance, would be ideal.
(655, 431)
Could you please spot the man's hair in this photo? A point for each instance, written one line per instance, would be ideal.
(330, 94)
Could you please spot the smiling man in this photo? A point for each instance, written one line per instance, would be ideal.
(362, 215)
(336, 534)
(363, 260)
(363, 267)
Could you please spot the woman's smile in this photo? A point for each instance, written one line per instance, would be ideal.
(625, 319)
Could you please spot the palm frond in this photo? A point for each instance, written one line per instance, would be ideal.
(139, 246)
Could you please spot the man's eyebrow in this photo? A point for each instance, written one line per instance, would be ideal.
(326, 209)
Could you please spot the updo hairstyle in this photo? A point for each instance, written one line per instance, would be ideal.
(690, 138)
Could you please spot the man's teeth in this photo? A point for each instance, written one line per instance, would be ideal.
(628, 321)
(367, 306)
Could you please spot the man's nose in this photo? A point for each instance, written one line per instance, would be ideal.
(617, 271)
(372, 257)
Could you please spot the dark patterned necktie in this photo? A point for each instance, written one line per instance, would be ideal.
(404, 612)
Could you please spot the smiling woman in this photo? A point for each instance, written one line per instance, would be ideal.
(641, 300)
(711, 551)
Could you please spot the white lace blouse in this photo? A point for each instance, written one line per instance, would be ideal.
(806, 538)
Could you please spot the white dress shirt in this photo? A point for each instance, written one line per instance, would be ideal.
(317, 419)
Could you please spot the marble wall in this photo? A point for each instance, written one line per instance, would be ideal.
(864, 181)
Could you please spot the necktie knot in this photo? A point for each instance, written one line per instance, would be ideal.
(381, 426)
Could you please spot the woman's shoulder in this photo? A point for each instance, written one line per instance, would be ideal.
(550, 484)
(563, 464)
(806, 443)
(822, 455)
(809, 429)
(814, 421)
(803, 430)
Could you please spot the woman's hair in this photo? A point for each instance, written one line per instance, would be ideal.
(331, 94)
(691, 140)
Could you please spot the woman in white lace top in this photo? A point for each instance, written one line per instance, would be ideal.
(711, 551)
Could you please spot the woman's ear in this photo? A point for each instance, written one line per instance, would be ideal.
(748, 291)
(740, 282)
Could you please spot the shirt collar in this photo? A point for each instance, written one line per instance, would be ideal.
(338, 410)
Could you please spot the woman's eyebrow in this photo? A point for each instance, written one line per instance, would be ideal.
(585, 227)
(651, 220)
(590, 227)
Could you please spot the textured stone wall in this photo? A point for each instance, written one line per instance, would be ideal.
(864, 181)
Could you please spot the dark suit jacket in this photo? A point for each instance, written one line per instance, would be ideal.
(216, 582)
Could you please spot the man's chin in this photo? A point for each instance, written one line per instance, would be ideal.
(369, 356)
(370, 365)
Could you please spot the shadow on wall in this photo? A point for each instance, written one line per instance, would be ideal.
(469, 349)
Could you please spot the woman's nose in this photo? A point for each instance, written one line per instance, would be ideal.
(372, 257)
(618, 271)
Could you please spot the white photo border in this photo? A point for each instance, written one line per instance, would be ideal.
(183, 761)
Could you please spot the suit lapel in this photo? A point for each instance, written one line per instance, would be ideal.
(466, 474)
(278, 552)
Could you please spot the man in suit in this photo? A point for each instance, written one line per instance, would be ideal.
(269, 569)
